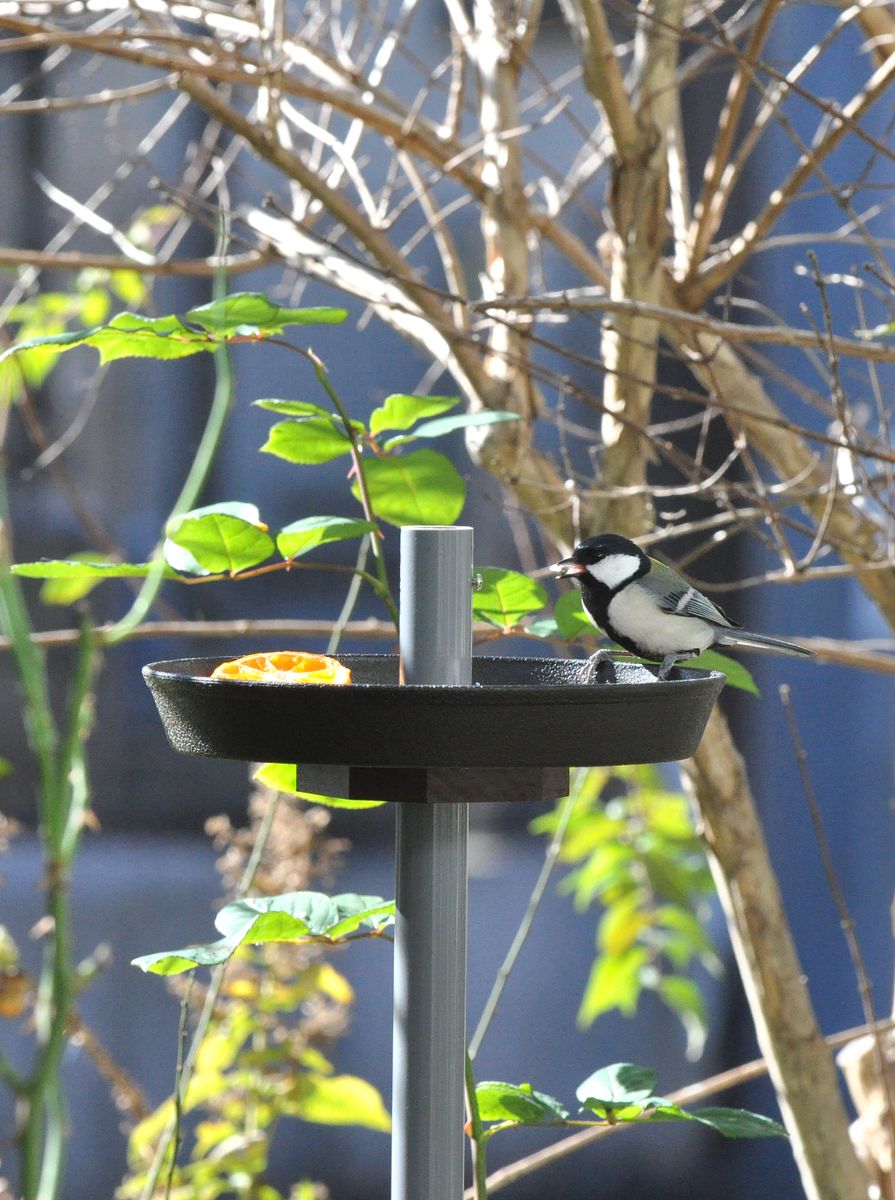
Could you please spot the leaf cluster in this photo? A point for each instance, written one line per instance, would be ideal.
(293, 917)
(260, 1062)
(620, 1094)
(635, 856)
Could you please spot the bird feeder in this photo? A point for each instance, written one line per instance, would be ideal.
(435, 729)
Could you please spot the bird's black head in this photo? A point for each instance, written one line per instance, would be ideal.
(608, 558)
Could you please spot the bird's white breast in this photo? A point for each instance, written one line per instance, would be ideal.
(634, 614)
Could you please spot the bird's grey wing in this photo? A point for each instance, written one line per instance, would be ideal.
(675, 595)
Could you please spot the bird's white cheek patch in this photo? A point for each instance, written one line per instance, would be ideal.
(615, 569)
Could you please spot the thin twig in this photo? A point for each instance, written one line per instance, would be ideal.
(534, 901)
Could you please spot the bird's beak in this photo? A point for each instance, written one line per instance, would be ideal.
(566, 568)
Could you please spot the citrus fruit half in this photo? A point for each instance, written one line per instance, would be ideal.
(284, 666)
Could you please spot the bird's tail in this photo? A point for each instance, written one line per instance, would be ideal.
(741, 637)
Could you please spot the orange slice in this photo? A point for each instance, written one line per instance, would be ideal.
(284, 666)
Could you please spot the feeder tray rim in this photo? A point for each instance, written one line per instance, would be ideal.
(685, 675)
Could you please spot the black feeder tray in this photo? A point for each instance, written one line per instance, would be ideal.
(511, 735)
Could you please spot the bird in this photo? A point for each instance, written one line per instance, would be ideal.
(647, 608)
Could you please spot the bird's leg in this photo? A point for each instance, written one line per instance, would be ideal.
(671, 660)
(595, 661)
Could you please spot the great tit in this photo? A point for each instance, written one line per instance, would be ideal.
(648, 608)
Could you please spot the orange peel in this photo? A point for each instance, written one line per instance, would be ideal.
(284, 666)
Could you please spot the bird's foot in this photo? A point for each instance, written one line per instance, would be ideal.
(670, 661)
(593, 664)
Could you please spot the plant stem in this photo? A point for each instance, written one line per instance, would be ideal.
(376, 538)
(478, 1137)
(221, 404)
(180, 1085)
(351, 597)
(211, 996)
(525, 925)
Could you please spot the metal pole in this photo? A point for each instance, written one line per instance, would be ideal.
(428, 1150)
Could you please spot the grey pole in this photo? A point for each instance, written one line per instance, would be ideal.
(428, 1149)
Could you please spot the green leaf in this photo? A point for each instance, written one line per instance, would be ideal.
(571, 618)
(545, 628)
(291, 917)
(180, 559)
(614, 982)
(130, 335)
(738, 1123)
(620, 1085)
(443, 425)
(281, 777)
(400, 411)
(229, 536)
(683, 997)
(245, 313)
(421, 488)
(70, 589)
(175, 962)
(310, 532)
(294, 408)
(127, 335)
(621, 925)
(128, 286)
(505, 597)
(737, 675)
(308, 441)
(336, 1100)
(297, 914)
(518, 1103)
(54, 568)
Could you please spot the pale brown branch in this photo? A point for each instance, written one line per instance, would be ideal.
(75, 260)
(596, 300)
(602, 73)
(716, 271)
(101, 99)
(710, 206)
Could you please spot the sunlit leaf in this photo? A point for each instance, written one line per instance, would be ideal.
(444, 425)
(70, 589)
(617, 1086)
(518, 1103)
(310, 532)
(229, 536)
(621, 925)
(738, 676)
(291, 917)
(336, 1100)
(128, 286)
(505, 597)
(682, 995)
(309, 441)
(570, 615)
(421, 488)
(401, 411)
(281, 777)
(614, 982)
(130, 335)
(251, 312)
(294, 408)
(54, 568)
(738, 1123)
